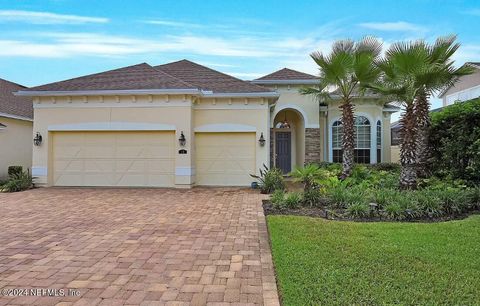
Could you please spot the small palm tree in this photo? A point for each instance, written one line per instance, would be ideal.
(404, 64)
(309, 176)
(443, 74)
(347, 68)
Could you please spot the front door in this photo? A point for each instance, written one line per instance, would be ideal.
(283, 151)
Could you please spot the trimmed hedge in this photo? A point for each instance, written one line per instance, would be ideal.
(455, 141)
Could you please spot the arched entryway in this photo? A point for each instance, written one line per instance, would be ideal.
(288, 140)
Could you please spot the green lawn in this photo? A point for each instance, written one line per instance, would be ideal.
(320, 262)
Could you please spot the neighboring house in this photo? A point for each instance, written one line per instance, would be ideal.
(16, 121)
(467, 87)
(183, 124)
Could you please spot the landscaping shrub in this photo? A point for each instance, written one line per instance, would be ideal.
(312, 197)
(270, 180)
(18, 182)
(473, 195)
(282, 200)
(455, 141)
(310, 176)
(13, 170)
(394, 211)
(293, 200)
(429, 203)
(358, 210)
(392, 167)
(277, 198)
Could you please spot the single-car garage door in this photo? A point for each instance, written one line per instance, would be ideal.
(113, 159)
(224, 159)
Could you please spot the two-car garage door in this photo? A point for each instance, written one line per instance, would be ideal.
(148, 158)
(114, 159)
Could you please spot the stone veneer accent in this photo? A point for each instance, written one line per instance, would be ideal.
(312, 145)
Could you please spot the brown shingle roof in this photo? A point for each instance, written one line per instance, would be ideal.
(287, 74)
(208, 79)
(141, 76)
(13, 105)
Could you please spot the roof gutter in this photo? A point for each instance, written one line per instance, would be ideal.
(286, 82)
(267, 94)
(123, 92)
(15, 117)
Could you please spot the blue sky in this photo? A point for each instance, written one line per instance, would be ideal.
(46, 41)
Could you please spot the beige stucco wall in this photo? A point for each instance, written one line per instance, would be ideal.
(371, 109)
(291, 98)
(158, 112)
(15, 144)
(395, 154)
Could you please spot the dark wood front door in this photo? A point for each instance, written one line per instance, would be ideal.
(283, 151)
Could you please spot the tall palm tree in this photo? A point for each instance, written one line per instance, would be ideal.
(348, 66)
(443, 74)
(403, 65)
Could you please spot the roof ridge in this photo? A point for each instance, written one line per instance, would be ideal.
(14, 83)
(174, 77)
(216, 71)
(311, 76)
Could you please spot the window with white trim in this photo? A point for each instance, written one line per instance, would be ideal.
(362, 141)
(379, 141)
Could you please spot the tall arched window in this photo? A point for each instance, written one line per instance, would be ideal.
(379, 141)
(362, 141)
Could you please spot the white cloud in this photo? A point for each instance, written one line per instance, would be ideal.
(399, 26)
(90, 44)
(46, 18)
(170, 23)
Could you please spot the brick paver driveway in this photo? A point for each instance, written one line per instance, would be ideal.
(136, 246)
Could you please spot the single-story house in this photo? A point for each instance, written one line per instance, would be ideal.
(16, 124)
(466, 88)
(182, 124)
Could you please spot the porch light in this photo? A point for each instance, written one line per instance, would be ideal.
(38, 139)
(182, 139)
(261, 140)
(285, 124)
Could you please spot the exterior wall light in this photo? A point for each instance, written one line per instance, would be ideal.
(261, 141)
(182, 141)
(38, 139)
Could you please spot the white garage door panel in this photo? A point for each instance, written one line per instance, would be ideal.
(114, 159)
(225, 159)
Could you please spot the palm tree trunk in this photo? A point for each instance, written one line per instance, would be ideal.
(408, 174)
(422, 107)
(348, 141)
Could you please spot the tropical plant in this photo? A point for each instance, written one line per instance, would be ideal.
(394, 211)
(309, 176)
(270, 179)
(312, 197)
(347, 67)
(293, 199)
(14, 170)
(278, 198)
(358, 210)
(441, 75)
(18, 182)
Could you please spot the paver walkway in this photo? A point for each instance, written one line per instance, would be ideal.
(204, 246)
